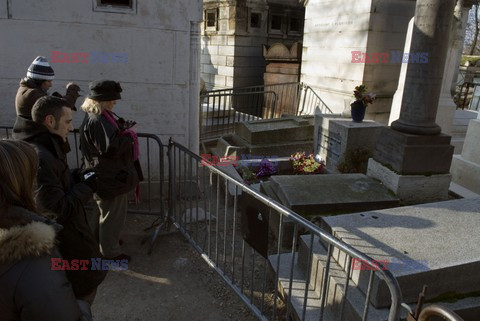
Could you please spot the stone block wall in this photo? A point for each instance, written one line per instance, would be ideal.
(155, 36)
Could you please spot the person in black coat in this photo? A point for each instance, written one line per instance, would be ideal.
(61, 193)
(29, 288)
(110, 146)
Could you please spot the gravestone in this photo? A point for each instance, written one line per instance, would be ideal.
(338, 139)
(330, 193)
(466, 167)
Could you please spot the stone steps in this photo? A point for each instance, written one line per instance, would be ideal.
(353, 306)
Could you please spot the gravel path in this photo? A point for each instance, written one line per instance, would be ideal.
(173, 283)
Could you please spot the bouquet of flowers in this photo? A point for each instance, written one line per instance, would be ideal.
(304, 164)
(361, 94)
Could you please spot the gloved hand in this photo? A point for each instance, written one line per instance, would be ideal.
(73, 86)
(73, 90)
(89, 177)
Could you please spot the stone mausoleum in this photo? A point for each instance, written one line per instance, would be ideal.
(234, 34)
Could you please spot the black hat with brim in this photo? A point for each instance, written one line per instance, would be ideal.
(105, 90)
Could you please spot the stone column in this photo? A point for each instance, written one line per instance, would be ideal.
(413, 157)
(398, 96)
(194, 84)
(423, 80)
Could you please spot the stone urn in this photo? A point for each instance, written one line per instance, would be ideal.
(358, 110)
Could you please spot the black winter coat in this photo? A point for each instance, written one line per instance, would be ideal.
(110, 153)
(29, 289)
(60, 194)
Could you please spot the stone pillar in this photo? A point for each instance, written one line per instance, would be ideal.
(398, 96)
(412, 158)
(194, 84)
(423, 80)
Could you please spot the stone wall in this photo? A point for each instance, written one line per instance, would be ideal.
(155, 35)
(333, 29)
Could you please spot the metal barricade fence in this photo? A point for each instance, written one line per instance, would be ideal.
(277, 262)
(152, 157)
(221, 108)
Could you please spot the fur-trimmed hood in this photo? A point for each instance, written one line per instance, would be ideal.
(32, 237)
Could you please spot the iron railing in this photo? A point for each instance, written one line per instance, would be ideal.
(243, 234)
(221, 109)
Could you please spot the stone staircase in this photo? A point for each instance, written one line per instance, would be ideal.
(352, 308)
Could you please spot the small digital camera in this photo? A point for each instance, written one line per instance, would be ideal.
(88, 175)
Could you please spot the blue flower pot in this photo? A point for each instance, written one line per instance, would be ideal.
(358, 111)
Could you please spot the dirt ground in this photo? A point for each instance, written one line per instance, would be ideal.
(173, 283)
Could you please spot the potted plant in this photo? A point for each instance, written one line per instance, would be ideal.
(362, 99)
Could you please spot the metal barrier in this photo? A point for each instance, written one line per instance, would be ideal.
(220, 109)
(243, 235)
(153, 165)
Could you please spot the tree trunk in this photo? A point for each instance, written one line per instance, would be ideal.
(477, 31)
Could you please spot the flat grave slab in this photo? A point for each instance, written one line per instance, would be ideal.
(434, 244)
(331, 193)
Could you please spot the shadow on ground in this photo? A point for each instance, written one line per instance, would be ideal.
(173, 283)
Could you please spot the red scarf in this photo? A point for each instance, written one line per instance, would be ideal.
(136, 150)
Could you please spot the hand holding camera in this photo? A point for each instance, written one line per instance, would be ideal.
(126, 124)
(89, 177)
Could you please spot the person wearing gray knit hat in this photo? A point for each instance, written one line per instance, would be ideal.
(36, 84)
(40, 69)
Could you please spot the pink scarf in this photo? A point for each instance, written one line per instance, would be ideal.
(136, 150)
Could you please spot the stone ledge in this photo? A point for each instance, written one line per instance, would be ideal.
(411, 189)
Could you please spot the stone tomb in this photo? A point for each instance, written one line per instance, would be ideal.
(337, 138)
(311, 195)
(279, 137)
(331, 193)
(441, 239)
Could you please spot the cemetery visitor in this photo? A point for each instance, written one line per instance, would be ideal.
(62, 192)
(110, 146)
(35, 85)
(29, 288)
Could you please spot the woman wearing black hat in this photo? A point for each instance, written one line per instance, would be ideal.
(111, 148)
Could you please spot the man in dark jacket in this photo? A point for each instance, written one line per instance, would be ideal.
(37, 83)
(61, 193)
